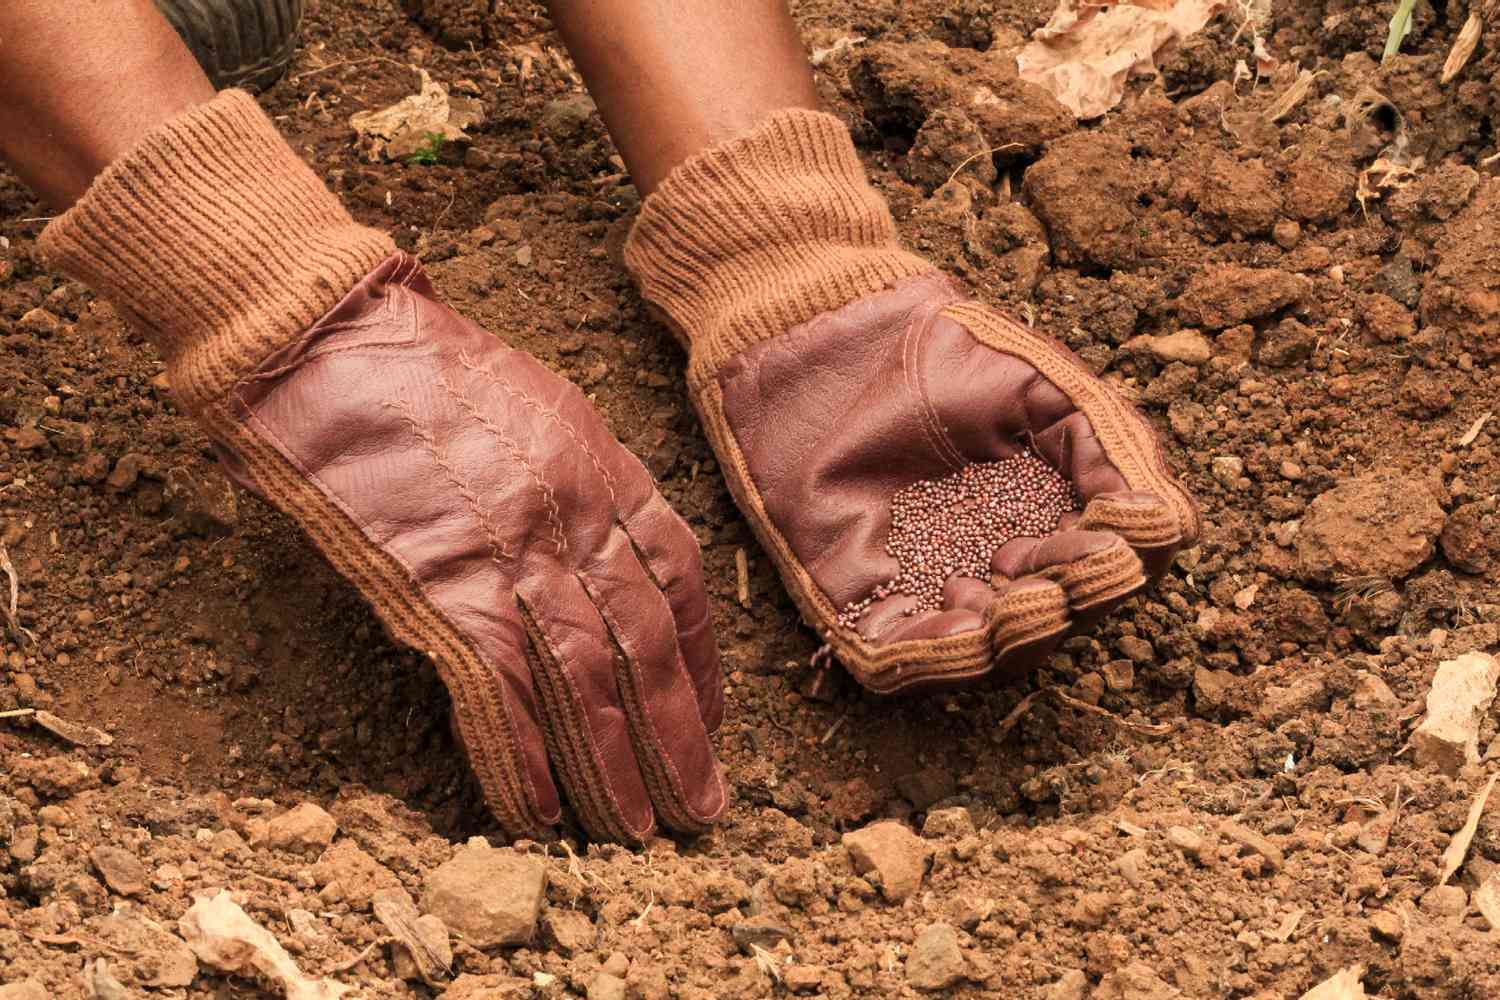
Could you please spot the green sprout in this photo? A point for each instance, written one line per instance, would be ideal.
(428, 155)
(1399, 29)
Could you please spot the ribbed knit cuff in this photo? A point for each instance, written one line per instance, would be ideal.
(759, 234)
(217, 240)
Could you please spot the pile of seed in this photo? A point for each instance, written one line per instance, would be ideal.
(953, 525)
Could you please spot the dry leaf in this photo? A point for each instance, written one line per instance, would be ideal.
(1385, 175)
(1288, 925)
(224, 937)
(424, 937)
(1474, 429)
(1458, 847)
(409, 125)
(1487, 900)
(12, 619)
(838, 48)
(1343, 985)
(1463, 47)
(74, 732)
(1292, 96)
(1084, 54)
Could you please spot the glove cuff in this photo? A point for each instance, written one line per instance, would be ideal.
(752, 237)
(215, 239)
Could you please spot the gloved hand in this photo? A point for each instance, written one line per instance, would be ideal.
(473, 497)
(946, 492)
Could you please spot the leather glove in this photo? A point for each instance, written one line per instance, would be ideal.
(474, 498)
(863, 408)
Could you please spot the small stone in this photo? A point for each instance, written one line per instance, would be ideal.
(1137, 649)
(1287, 233)
(1132, 866)
(926, 787)
(40, 322)
(121, 870)
(1223, 295)
(802, 979)
(646, 982)
(30, 989)
(1378, 526)
(1471, 538)
(1074, 985)
(1387, 926)
(348, 873)
(1188, 346)
(306, 828)
(1212, 689)
(105, 986)
(1136, 981)
(606, 987)
(1372, 692)
(760, 931)
(893, 853)
(1189, 842)
(126, 471)
(1227, 469)
(1119, 675)
(1375, 836)
(569, 931)
(1445, 902)
(1250, 840)
(955, 822)
(935, 962)
(489, 896)
(1461, 693)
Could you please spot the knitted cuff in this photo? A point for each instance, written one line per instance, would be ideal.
(217, 240)
(750, 238)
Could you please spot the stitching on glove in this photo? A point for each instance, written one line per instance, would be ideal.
(439, 458)
(549, 499)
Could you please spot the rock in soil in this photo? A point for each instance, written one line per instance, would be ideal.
(1461, 693)
(935, 962)
(487, 895)
(891, 852)
(1379, 526)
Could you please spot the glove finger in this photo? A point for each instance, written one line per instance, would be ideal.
(1079, 422)
(666, 547)
(1146, 521)
(589, 736)
(661, 704)
(1096, 569)
(1028, 618)
(497, 721)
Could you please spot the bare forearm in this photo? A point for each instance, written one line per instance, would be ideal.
(81, 83)
(672, 77)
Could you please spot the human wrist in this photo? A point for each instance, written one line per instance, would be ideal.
(762, 233)
(215, 238)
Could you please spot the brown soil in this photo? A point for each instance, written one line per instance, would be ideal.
(1335, 354)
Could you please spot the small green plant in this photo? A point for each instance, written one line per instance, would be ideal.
(428, 155)
(1399, 29)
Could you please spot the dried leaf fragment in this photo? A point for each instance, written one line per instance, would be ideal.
(223, 936)
(1342, 985)
(424, 937)
(1292, 96)
(410, 125)
(1458, 847)
(1086, 51)
(1463, 47)
(1475, 428)
(74, 732)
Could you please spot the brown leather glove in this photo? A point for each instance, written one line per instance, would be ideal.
(946, 492)
(474, 498)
